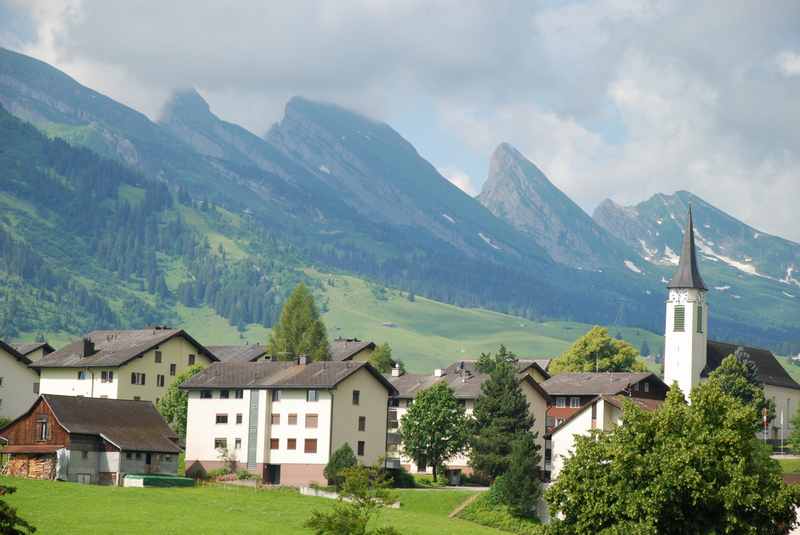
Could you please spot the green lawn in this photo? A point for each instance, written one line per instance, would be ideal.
(790, 466)
(67, 508)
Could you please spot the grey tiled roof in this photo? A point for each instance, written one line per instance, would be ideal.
(770, 371)
(113, 348)
(11, 350)
(587, 384)
(688, 275)
(131, 425)
(268, 374)
(247, 353)
(25, 349)
(344, 349)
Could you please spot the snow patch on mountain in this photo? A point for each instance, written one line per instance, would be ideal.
(789, 279)
(787, 294)
(488, 241)
(449, 218)
(630, 265)
(722, 288)
(669, 256)
(706, 249)
(648, 253)
(324, 169)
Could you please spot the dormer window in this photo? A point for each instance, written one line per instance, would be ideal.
(679, 320)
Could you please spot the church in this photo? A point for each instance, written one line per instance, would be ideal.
(689, 356)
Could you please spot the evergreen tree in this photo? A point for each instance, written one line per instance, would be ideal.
(300, 330)
(342, 459)
(645, 349)
(501, 414)
(521, 484)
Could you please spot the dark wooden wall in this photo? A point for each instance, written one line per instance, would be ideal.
(24, 430)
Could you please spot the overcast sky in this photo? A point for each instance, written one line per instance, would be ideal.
(610, 98)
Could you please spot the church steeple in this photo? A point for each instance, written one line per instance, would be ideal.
(687, 274)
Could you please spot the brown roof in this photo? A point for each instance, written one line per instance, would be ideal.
(128, 424)
(770, 371)
(114, 348)
(26, 349)
(587, 384)
(345, 348)
(11, 350)
(278, 374)
(247, 353)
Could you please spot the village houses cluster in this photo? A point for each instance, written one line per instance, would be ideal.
(86, 412)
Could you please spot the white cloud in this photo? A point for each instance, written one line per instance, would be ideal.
(461, 179)
(789, 63)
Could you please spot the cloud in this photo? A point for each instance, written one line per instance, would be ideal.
(610, 98)
(461, 179)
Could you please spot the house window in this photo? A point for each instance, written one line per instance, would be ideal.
(239, 394)
(292, 419)
(138, 456)
(360, 448)
(291, 443)
(158, 357)
(276, 419)
(646, 387)
(35, 388)
(159, 380)
(224, 394)
(679, 319)
(594, 411)
(173, 369)
(137, 378)
(84, 454)
(191, 360)
(574, 402)
(168, 458)
(561, 403)
(42, 429)
(137, 398)
(107, 377)
(205, 394)
(1, 381)
(394, 402)
(312, 395)
(550, 421)
(310, 445)
(129, 455)
(636, 387)
(222, 418)
(356, 397)
(239, 418)
(219, 444)
(274, 443)
(237, 444)
(276, 395)
(362, 423)
(82, 376)
(699, 319)
(311, 421)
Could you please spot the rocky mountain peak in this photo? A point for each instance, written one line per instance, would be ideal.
(186, 105)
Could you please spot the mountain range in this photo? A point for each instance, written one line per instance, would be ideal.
(201, 212)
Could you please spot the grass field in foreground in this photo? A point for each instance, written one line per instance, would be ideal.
(69, 508)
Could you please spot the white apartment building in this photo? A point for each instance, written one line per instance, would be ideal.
(19, 384)
(283, 420)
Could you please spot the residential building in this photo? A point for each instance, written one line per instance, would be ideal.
(343, 349)
(19, 384)
(570, 392)
(603, 413)
(33, 351)
(283, 420)
(690, 356)
(136, 364)
(465, 380)
(245, 353)
(89, 440)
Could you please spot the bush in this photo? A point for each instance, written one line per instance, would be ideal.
(244, 474)
(427, 482)
(401, 479)
(217, 473)
(342, 459)
(489, 511)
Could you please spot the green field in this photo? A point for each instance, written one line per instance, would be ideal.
(69, 508)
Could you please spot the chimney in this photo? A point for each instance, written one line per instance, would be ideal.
(437, 372)
(302, 360)
(396, 371)
(88, 348)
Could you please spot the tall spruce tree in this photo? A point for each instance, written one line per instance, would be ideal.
(500, 416)
(300, 330)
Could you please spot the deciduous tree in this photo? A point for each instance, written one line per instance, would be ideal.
(300, 330)
(597, 351)
(175, 403)
(381, 358)
(342, 459)
(434, 428)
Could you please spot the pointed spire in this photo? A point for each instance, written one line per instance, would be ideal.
(687, 275)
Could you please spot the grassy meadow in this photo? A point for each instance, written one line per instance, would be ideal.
(69, 508)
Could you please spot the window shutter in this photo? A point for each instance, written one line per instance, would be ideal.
(133, 378)
(679, 322)
(699, 318)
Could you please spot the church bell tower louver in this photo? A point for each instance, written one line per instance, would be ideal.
(686, 330)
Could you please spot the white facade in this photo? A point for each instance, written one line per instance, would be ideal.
(600, 415)
(685, 338)
(19, 385)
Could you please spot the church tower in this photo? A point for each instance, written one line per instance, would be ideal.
(686, 331)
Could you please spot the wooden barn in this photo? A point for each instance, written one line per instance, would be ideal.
(89, 440)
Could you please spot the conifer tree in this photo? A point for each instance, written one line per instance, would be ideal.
(522, 485)
(300, 330)
(500, 416)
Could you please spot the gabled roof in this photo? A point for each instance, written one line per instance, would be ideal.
(129, 425)
(617, 401)
(247, 353)
(278, 374)
(588, 384)
(11, 350)
(27, 349)
(770, 371)
(346, 348)
(688, 275)
(114, 348)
